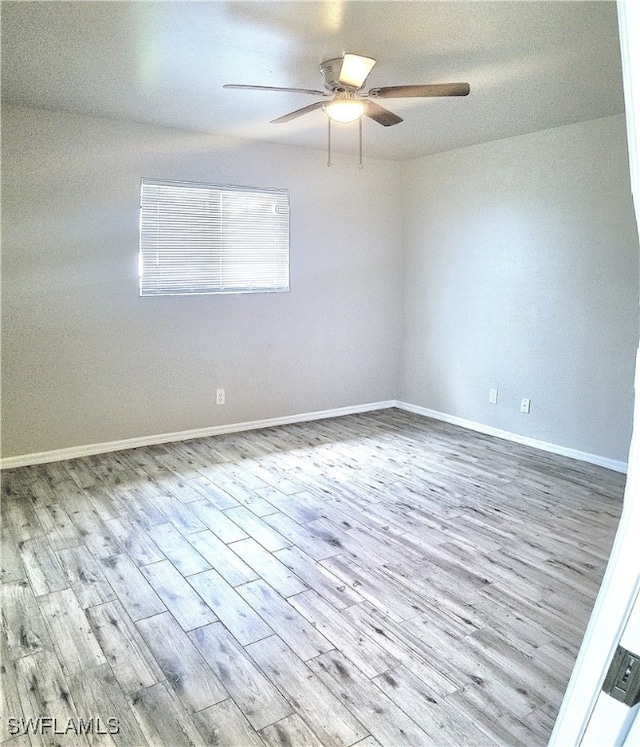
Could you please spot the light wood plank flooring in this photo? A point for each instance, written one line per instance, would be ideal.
(376, 579)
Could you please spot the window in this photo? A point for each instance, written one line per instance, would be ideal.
(205, 238)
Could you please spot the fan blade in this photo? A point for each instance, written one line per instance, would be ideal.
(437, 89)
(298, 113)
(312, 91)
(380, 114)
(355, 70)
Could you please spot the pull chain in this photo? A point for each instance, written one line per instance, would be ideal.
(360, 163)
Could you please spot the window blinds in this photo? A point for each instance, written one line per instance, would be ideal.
(202, 238)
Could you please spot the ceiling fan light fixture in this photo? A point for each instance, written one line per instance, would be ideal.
(355, 70)
(344, 111)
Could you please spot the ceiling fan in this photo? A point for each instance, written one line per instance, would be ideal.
(344, 79)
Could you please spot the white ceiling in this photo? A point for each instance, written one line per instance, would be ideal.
(531, 65)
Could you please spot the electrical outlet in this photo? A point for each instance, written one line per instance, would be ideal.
(220, 397)
(493, 396)
(525, 405)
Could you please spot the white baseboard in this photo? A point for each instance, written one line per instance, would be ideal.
(58, 455)
(73, 452)
(489, 430)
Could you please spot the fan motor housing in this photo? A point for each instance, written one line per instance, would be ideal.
(330, 70)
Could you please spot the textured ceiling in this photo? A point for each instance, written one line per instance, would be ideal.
(531, 65)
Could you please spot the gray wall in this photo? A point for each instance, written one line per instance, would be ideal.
(85, 360)
(521, 273)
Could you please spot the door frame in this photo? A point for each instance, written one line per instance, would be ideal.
(578, 721)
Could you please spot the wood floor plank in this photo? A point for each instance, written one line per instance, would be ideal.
(103, 501)
(517, 664)
(71, 634)
(179, 597)
(58, 527)
(163, 719)
(216, 496)
(409, 649)
(389, 516)
(115, 469)
(373, 586)
(182, 489)
(556, 659)
(301, 536)
(124, 648)
(131, 587)
(540, 723)
(473, 663)
(44, 690)
(24, 631)
(492, 718)
(361, 649)
(439, 720)
(96, 692)
(149, 463)
(290, 731)
(222, 559)
(85, 577)
(90, 526)
(241, 482)
(259, 506)
(288, 505)
(236, 479)
(386, 721)
(15, 483)
(81, 473)
(217, 522)
(135, 541)
(536, 611)
(457, 605)
(20, 516)
(348, 545)
(256, 528)
(316, 704)
(301, 637)
(10, 706)
(201, 454)
(42, 566)
(223, 724)
(259, 700)
(11, 566)
(511, 626)
(275, 475)
(141, 505)
(374, 540)
(178, 550)
(330, 587)
(238, 616)
(179, 514)
(192, 679)
(268, 567)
